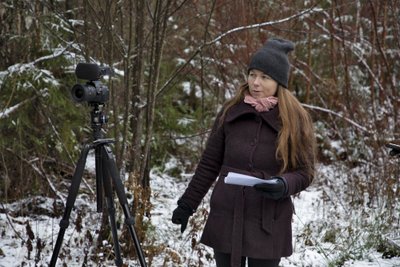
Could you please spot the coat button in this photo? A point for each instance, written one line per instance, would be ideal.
(254, 142)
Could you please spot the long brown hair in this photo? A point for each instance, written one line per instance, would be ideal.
(296, 146)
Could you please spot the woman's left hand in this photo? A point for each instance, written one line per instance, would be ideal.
(272, 190)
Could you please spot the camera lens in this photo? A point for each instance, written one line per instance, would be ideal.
(78, 93)
(93, 92)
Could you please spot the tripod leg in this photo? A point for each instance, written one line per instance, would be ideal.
(119, 187)
(111, 211)
(99, 177)
(72, 193)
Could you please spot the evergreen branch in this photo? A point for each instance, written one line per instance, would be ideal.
(56, 53)
(6, 112)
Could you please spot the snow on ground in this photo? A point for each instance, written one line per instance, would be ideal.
(17, 231)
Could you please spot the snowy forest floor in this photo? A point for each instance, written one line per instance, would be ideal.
(320, 230)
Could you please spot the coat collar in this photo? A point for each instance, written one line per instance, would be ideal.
(271, 117)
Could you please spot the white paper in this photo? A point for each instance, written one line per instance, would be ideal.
(246, 180)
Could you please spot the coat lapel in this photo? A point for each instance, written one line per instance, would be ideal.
(270, 117)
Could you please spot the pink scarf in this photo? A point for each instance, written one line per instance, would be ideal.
(261, 104)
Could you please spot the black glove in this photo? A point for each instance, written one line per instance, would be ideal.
(274, 190)
(181, 215)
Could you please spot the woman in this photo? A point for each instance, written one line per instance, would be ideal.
(265, 132)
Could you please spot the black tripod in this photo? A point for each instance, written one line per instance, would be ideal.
(105, 167)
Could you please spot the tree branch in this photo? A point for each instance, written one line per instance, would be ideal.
(338, 115)
(6, 112)
(258, 25)
(218, 38)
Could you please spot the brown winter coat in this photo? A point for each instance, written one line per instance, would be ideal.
(241, 220)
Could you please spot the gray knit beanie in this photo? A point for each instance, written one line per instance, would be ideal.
(272, 59)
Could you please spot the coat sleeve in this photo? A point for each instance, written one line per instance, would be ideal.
(208, 167)
(297, 180)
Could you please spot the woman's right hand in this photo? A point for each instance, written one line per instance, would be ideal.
(181, 215)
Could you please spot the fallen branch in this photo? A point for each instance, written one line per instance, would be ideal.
(42, 174)
(11, 224)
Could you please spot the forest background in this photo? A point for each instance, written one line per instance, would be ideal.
(175, 63)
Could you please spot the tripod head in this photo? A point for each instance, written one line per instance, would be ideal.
(98, 118)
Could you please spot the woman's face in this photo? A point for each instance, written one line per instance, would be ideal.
(261, 85)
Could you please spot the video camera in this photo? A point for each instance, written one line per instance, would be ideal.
(93, 91)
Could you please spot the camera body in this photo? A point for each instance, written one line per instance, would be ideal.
(93, 91)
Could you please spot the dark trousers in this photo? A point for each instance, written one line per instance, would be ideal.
(224, 260)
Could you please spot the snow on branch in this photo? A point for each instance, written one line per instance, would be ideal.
(219, 37)
(6, 112)
(338, 115)
(259, 25)
(22, 67)
(19, 67)
(58, 52)
(356, 50)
